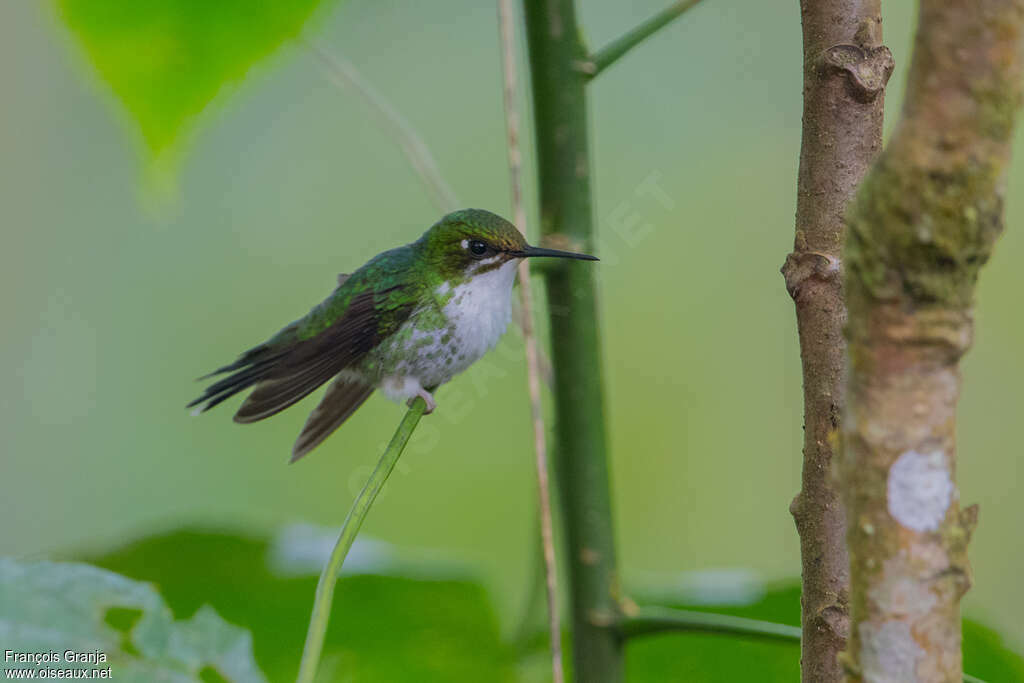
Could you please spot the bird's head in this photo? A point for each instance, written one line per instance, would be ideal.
(472, 242)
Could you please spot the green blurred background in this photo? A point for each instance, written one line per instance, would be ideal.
(114, 299)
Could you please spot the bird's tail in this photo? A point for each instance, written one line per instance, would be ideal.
(342, 398)
(251, 368)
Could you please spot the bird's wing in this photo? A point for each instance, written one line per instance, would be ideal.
(312, 362)
(333, 336)
(342, 399)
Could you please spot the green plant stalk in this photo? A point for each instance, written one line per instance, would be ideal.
(581, 470)
(653, 619)
(614, 51)
(356, 514)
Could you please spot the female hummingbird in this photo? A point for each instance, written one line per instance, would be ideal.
(405, 323)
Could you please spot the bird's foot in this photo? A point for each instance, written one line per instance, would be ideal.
(427, 397)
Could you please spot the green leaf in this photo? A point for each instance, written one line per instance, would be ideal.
(436, 628)
(440, 626)
(48, 607)
(987, 657)
(166, 60)
(712, 658)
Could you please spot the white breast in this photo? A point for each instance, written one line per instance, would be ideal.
(425, 354)
(480, 310)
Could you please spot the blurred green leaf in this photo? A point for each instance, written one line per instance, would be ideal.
(987, 657)
(441, 627)
(54, 607)
(383, 628)
(712, 658)
(167, 59)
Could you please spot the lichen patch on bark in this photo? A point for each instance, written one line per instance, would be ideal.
(889, 653)
(919, 490)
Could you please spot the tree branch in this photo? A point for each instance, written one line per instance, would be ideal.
(533, 366)
(356, 514)
(924, 222)
(613, 51)
(844, 73)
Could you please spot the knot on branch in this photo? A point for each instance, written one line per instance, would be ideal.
(603, 618)
(867, 69)
(801, 266)
(957, 537)
(940, 335)
(969, 520)
(834, 619)
(959, 532)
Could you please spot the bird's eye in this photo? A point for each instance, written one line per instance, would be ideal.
(477, 248)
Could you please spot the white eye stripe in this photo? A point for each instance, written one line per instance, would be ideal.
(474, 267)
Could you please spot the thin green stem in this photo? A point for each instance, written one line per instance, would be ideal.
(344, 73)
(614, 50)
(527, 627)
(655, 619)
(533, 366)
(356, 514)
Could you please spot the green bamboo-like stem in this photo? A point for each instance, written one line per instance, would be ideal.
(654, 619)
(356, 514)
(614, 50)
(581, 469)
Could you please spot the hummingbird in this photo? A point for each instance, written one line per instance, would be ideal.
(406, 322)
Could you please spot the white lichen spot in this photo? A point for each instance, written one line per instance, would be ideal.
(889, 653)
(902, 595)
(919, 490)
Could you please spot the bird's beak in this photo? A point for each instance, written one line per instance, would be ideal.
(529, 252)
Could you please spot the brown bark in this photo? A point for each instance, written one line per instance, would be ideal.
(845, 72)
(924, 222)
